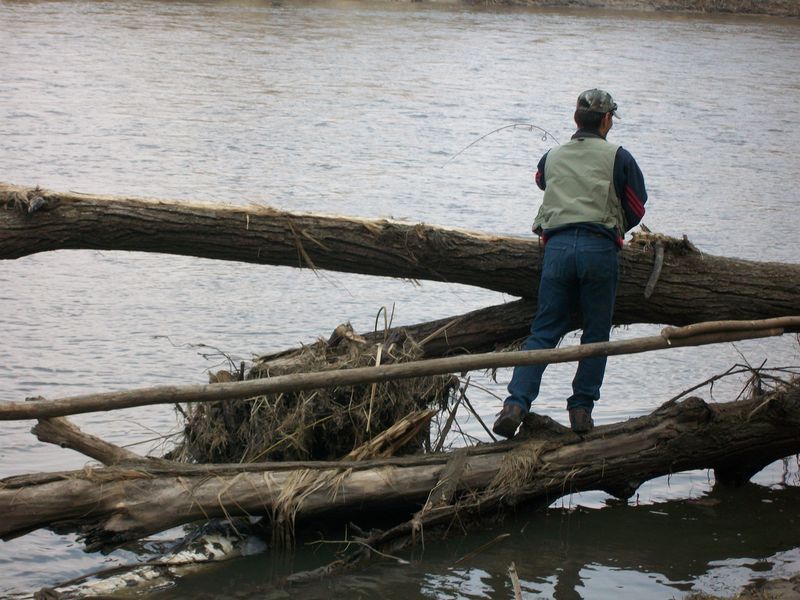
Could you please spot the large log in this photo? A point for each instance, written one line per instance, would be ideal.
(692, 286)
(111, 506)
(482, 330)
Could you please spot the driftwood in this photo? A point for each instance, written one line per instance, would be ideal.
(692, 286)
(663, 281)
(713, 332)
(110, 506)
(481, 330)
(63, 433)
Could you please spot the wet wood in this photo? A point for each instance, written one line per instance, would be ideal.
(691, 287)
(42, 408)
(110, 506)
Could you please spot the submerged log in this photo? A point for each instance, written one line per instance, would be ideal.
(692, 286)
(110, 506)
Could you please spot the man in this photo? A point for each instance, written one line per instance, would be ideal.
(593, 193)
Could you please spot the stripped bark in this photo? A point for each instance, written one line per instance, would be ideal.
(63, 433)
(692, 286)
(110, 506)
(670, 338)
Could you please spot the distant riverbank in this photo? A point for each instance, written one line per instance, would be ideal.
(775, 8)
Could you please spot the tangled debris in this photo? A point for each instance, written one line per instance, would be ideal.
(321, 424)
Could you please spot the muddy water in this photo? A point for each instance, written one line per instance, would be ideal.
(354, 109)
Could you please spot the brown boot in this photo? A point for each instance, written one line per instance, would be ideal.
(580, 421)
(508, 420)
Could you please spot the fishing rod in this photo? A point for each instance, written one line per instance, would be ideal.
(528, 126)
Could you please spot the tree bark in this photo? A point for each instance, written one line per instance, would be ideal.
(692, 286)
(482, 330)
(111, 506)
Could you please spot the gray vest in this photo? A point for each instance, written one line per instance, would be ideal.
(579, 178)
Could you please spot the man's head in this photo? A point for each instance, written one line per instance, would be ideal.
(594, 110)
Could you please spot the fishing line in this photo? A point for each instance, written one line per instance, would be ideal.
(528, 126)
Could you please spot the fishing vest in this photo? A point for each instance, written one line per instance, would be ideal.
(579, 179)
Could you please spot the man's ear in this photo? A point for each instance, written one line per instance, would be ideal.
(607, 122)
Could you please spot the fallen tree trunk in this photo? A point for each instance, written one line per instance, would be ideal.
(692, 286)
(713, 332)
(482, 330)
(110, 506)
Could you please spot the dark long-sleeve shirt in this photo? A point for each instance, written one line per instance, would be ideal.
(628, 184)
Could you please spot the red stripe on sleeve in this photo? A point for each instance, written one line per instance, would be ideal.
(633, 202)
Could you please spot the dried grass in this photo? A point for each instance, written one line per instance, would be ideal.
(520, 466)
(318, 424)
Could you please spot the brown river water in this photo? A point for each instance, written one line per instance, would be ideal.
(354, 108)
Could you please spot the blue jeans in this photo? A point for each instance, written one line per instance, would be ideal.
(580, 271)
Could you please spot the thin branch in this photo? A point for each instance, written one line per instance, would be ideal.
(402, 561)
(41, 408)
(480, 549)
(450, 418)
(477, 416)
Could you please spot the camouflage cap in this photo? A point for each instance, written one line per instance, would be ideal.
(597, 101)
